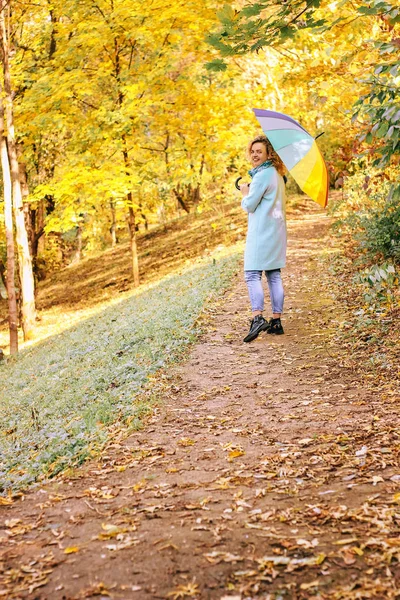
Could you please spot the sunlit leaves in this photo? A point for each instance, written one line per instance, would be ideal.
(267, 24)
(263, 24)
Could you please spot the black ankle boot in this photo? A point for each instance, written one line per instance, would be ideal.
(257, 325)
(275, 326)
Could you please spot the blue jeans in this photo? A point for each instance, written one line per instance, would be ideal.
(256, 291)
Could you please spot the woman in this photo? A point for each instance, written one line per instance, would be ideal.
(264, 201)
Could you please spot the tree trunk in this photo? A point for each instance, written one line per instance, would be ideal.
(77, 257)
(3, 282)
(132, 233)
(144, 217)
(145, 220)
(29, 226)
(8, 218)
(24, 257)
(187, 196)
(131, 221)
(129, 196)
(113, 228)
(45, 207)
(181, 200)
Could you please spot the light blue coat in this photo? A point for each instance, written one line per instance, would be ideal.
(266, 233)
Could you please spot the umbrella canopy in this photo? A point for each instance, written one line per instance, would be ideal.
(298, 151)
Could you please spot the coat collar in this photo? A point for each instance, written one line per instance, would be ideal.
(261, 167)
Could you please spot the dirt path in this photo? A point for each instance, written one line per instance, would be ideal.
(250, 481)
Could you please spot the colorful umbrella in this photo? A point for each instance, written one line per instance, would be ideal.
(298, 151)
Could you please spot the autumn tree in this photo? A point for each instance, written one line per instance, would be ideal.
(128, 106)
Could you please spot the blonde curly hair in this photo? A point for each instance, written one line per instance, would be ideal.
(271, 154)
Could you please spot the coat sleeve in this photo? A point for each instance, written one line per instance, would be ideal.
(262, 182)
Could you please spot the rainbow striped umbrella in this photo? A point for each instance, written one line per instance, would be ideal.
(298, 151)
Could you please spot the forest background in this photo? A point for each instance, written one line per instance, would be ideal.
(126, 115)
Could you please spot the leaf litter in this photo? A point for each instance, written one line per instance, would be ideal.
(237, 491)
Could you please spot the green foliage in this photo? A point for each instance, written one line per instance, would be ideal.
(216, 65)
(377, 7)
(369, 215)
(378, 284)
(227, 14)
(263, 24)
(380, 229)
(379, 107)
(252, 10)
(60, 398)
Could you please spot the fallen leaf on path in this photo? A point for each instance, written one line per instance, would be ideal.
(184, 591)
(151, 509)
(343, 542)
(12, 522)
(306, 441)
(111, 531)
(186, 442)
(291, 563)
(71, 549)
(307, 543)
(348, 557)
(56, 497)
(37, 585)
(5, 501)
(98, 590)
(235, 454)
(167, 547)
(216, 557)
(101, 494)
(126, 542)
(307, 586)
(16, 527)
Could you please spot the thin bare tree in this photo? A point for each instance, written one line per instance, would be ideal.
(8, 218)
(28, 309)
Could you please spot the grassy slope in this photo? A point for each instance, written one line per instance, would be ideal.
(63, 393)
(161, 251)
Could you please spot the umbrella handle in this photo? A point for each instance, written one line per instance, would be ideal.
(237, 183)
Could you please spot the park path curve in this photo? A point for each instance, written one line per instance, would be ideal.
(249, 480)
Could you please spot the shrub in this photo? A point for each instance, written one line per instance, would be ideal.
(378, 286)
(369, 215)
(380, 230)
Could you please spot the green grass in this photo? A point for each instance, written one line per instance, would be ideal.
(60, 398)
